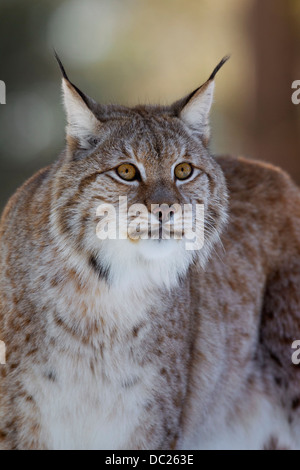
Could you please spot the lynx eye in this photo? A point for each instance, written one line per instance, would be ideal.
(127, 172)
(183, 171)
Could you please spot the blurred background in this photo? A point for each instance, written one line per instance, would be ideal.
(133, 51)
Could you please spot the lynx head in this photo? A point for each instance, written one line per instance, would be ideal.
(117, 158)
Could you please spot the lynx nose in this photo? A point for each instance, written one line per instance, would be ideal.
(162, 202)
(164, 213)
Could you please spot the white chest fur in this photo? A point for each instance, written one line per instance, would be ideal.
(94, 409)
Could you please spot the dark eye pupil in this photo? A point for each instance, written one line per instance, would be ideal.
(126, 171)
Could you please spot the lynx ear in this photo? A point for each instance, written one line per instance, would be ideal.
(196, 112)
(194, 109)
(82, 123)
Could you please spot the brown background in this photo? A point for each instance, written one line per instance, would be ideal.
(131, 51)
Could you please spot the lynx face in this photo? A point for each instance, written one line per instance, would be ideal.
(146, 155)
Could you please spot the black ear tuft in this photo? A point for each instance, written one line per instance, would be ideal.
(217, 68)
(85, 98)
(62, 69)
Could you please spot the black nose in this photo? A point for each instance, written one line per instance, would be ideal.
(164, 214)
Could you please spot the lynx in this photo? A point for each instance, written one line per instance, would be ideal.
(139, 343)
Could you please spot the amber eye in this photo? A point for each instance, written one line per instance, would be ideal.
(127, 172)
(183, 171)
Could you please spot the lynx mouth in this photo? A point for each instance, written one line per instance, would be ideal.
(158, 234)
(136, 224)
